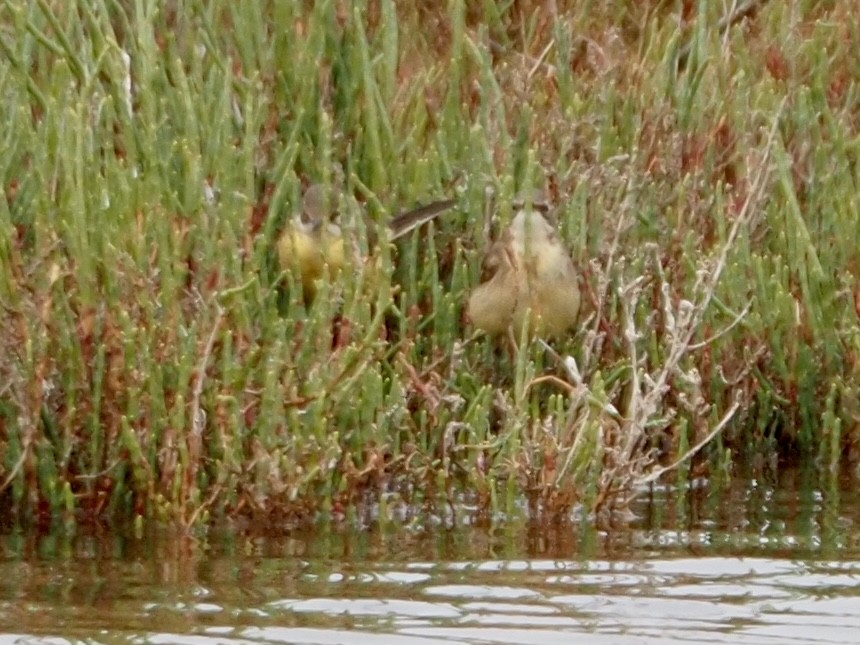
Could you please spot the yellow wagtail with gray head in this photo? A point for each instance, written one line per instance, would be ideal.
(312, 245)
(527, 276)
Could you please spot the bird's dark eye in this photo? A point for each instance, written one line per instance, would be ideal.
(535, 199)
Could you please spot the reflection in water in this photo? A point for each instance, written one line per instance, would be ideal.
(757, 566)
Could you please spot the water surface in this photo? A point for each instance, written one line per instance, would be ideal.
(755, 565)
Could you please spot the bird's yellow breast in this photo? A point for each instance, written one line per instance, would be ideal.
(308, 252)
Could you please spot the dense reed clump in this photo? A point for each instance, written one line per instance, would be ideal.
(157, 364)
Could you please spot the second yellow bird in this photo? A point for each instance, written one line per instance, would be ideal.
(313, 243)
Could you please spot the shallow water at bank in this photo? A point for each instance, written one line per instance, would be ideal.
(755, 564)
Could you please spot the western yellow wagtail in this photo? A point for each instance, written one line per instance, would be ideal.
(314, 241)
(527, 275)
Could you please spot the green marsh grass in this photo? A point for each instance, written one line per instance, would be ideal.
(156, 364)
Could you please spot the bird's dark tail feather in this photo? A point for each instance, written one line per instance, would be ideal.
(403, 223)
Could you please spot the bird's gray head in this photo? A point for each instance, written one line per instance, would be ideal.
(318, 205)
